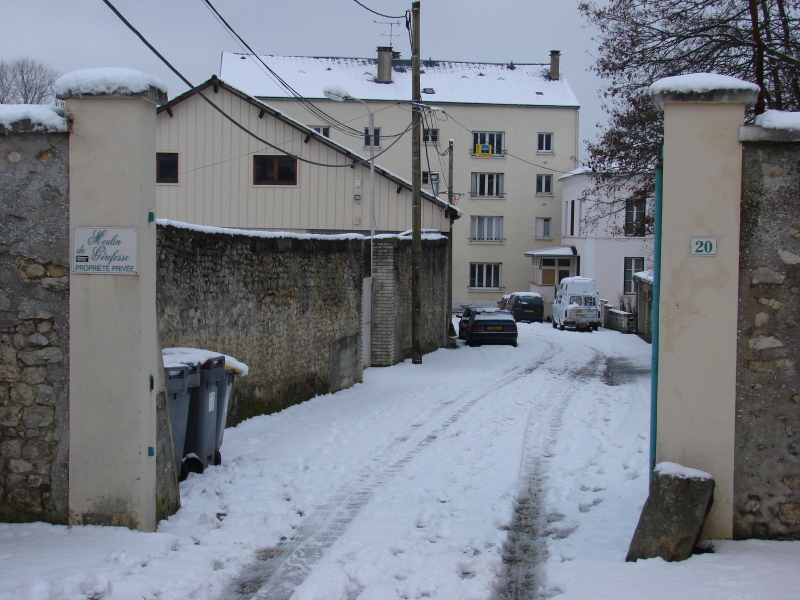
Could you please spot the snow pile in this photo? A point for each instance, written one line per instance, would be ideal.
(43, 117)
(700, 83)
(176, 357)
(647, 275)
(106, 80)
(779, 119)
(670, 469)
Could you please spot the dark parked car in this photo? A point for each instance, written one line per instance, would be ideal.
(497, 327)
(527, 306)
(463, 321)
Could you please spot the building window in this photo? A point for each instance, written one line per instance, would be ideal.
(544, 184)
(494, 139)
(632, 265)
(544, 142)
(634, 217)
(484, 275)
(326, 131)
(376, 137)
(486, 229)
(426, 178)
(430, 135)
(543, 227)
(487, 184)
(166, 167)
(274, 170)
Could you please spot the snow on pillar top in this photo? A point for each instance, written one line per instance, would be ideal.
(111, 82)
(703, 87)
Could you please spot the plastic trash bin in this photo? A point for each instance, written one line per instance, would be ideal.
(175, 377)
(201, 431)
(224, 386)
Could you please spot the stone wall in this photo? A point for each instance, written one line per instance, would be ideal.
(767, 465)
(34, 326)
(289, 308)
(392, 317)
(618, 320)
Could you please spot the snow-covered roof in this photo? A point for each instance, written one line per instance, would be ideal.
(450, 82)
(646, 276)
(42, 117)
(106, 80)
(575, 172)
(553, 251)
(215, 81)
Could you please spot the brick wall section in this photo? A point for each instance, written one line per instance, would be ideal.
(392, 316)
(34, 326)
(767, 459)
(289, 308)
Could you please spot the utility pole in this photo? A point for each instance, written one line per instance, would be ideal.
(450, 198)
(416, 179)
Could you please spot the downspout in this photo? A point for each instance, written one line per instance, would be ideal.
(655, 317)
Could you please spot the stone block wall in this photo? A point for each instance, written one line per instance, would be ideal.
(34, 326)
(767, 453)
(618, 320)
(392, 315)
(289, 308)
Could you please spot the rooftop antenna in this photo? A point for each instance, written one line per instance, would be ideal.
(392, 25)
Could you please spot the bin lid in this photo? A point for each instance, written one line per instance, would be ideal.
(197, 356)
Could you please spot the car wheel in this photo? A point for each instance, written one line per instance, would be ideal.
(561, 327)
(515, 344)
(554, 325)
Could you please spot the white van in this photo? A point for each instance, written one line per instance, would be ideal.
(577, 305)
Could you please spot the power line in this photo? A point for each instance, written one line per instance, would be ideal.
(403, 16)
(226, 115)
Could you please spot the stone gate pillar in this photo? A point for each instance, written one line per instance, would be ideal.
(115, 357)
(699, 279)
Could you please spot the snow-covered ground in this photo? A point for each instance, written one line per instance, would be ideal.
(406, 486)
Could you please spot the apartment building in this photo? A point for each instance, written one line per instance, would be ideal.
(514, 129)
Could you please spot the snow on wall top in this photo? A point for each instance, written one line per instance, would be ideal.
(647, 275)
(106, 80)
(42, 117)
(671, 469)
(552, 251)
(779, 119)
(458, 82)
(700, 83)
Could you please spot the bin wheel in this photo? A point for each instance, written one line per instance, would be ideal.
(217, 457)
(184, 472)
(193, 465)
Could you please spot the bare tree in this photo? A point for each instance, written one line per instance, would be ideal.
(26, 81)
(641, 41)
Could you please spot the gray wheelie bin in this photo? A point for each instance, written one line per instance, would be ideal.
(201, 432)
(175, 378)
(224, 386)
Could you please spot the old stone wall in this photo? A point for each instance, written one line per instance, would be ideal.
(34, 326)
(392, 316)
(618, 320)
(767, 453)
(289, 308)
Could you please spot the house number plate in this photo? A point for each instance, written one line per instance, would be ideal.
(703, 246)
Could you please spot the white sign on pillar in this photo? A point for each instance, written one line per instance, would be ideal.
(105, 250)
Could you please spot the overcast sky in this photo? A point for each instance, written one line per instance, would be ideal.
(80, 34)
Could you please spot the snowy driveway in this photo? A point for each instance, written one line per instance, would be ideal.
(404, 486)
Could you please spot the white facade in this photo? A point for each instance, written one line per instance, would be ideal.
(612, 250)
(218, 173)
(529, 117)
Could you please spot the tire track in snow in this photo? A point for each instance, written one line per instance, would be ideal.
(524, 552)
(277, 572)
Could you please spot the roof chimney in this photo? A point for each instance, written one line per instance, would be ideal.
(384, 64)
(555, 55)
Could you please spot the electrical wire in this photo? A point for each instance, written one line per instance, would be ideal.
(226, 115)
(377, 13)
